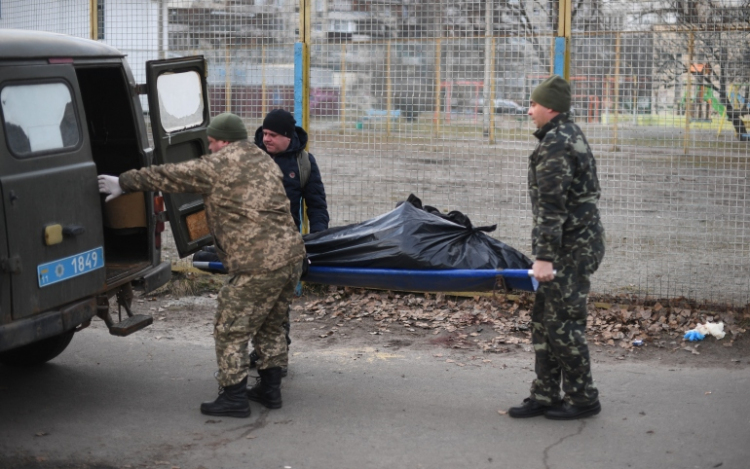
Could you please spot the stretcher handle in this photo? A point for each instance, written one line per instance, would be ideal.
(519, 273)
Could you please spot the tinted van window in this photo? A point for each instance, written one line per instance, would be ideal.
(39, 118)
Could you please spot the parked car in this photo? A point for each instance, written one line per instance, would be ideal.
(503, 106)
(70, 110)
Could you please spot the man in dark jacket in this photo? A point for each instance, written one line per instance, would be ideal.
(280, 137)
(285, 142)
(568, 242)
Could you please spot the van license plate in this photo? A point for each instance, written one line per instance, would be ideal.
(69, 267)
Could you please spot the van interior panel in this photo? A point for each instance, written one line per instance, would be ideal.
(115, 147)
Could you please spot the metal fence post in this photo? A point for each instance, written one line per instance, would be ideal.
(94, 19)
(562, 41)
(302, 67)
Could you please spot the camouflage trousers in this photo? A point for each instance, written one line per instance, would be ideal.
(558, 322)
(253, 307)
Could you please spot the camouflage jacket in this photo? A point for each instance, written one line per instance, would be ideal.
(564, 190)
(246, 206)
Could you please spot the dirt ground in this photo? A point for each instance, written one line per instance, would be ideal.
(462, 330)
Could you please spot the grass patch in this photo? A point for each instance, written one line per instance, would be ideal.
(191, 284)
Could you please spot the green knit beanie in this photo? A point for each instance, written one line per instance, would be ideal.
(228, 127)
(553, 93)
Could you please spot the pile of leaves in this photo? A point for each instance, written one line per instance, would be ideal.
(612, 321)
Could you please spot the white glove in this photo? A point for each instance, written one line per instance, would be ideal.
(109, 185)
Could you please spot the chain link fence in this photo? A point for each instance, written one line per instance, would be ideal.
(429, 97)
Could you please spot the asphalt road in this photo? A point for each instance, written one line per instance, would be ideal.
(133, 403)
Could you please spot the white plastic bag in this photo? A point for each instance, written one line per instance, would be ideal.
(715, 329)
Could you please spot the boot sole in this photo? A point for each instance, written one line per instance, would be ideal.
(580, 415)
(527, 415)
(227, 414)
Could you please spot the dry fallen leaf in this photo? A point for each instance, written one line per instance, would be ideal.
(502, 412)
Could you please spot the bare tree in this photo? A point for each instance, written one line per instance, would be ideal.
(709, 40)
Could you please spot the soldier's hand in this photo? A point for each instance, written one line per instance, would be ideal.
(109, 185)
(543, 271)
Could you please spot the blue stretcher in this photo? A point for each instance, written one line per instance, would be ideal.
(449, 280)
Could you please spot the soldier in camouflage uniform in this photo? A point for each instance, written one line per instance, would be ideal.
(568, 243)
(247, 211)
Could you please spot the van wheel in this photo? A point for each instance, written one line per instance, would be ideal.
(37, 353)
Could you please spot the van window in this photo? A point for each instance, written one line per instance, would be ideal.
(39, 118)
(180, 100)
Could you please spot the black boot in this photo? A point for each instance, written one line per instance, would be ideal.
(232, 402)
(267, 389)
(529, 408)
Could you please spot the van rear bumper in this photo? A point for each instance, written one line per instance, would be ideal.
(49, 324)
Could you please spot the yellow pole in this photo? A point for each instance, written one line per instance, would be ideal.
(305, 36)
(305, 32)
(487, 97)
(564, 21)
(94, 19)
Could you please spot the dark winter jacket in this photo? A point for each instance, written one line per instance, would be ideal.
(564, 190)
(314, 193)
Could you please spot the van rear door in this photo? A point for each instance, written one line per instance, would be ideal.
(178, 106)
(50, 195)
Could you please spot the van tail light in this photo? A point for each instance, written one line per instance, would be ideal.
(160, 217)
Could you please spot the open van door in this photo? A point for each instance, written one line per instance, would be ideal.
(178, 106)
(51, 204)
